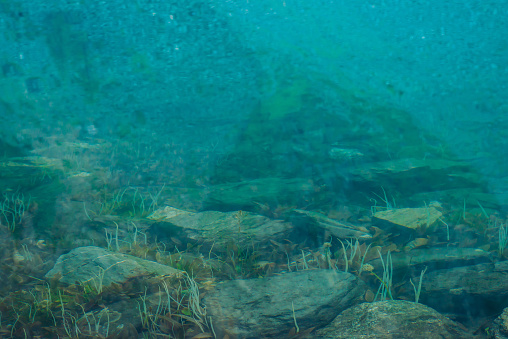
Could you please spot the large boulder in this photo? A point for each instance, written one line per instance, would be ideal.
(472, 291)
(392, 319)
(100, 268)
(269, 307)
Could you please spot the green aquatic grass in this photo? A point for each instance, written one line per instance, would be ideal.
(13, 208)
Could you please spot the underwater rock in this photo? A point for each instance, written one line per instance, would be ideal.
(336, 228)
(247, 194)
(27, 170)
(166, 213)
(472, 197)
(392, 319)
(434, 258)
(499, 328)
(411, 218)
(31, 176)
(413, 176)
(268, 307)
(345, 154)
(476, 290)
(95, 265)
(218, 229)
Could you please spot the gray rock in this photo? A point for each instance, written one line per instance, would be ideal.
(473, 290)
(392, 319)
(219, 228)
(432, 174)
(96, 265)
(247, 194)
(500, 326)
(167, 213)
(257, 308)
(345, 154)
(435, 258)
(334, 227)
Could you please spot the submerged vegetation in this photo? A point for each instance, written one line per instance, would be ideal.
(13, 208)
(120, 221)
(163, 307)
(129, 200)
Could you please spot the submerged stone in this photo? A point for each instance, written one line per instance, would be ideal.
(410, 218)
(95, 265)
(435, 258)
(250, 193)
(218, 229)
(392, 319)
(336, 228)
(476, 290)
(268, 307)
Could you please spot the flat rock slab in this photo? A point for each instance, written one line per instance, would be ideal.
(392, 319)
(257, 308)
(306, 219)
(167, 213)
(247, 194)
(217, 229)
(433, 175)
(409, 218)
(87, 264)
(435, 258)
(28, 168)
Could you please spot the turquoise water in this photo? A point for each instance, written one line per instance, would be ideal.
(276, 169)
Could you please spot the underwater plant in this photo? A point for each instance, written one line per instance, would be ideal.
(13, 208)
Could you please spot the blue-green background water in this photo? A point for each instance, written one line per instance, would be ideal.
(112, 111)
